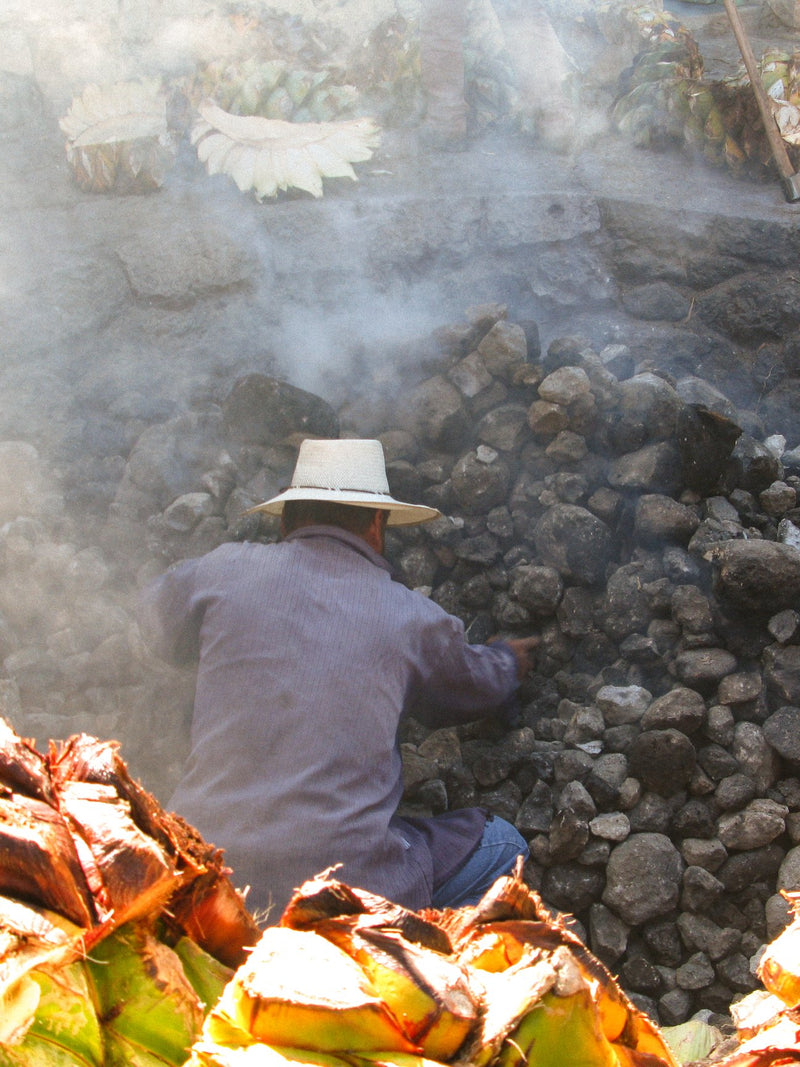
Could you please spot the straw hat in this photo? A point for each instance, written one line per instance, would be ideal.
(347, 471)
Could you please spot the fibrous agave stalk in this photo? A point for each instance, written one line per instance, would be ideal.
(268, 155)
(118, 138)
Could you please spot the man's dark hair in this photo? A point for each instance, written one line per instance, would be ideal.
(350, 517)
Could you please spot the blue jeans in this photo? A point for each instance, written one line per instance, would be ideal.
(495, 855)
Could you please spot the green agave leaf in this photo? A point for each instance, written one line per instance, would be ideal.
(65, 1031)
(691, 1041)
(554, 1025)
(207, 975)
(149, 1011)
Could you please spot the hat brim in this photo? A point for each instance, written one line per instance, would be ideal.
(400, 514)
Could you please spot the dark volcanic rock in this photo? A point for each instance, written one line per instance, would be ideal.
(757, 576)
(663, 760)
(575, 542)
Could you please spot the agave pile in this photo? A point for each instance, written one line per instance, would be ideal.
(664, 99)
(347, 979)
(124, 944)
(119, 926)
(275, 90)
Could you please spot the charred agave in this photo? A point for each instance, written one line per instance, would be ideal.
(349, 979)
(118, 139)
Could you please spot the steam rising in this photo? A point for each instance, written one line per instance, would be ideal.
(121, 312)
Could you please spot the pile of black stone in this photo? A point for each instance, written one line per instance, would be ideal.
(645, 527)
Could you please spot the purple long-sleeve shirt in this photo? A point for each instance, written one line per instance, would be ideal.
(309, 656)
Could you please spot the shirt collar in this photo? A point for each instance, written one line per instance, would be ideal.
(336, 533)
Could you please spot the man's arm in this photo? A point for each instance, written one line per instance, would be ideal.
(170, 616)
(460, 682)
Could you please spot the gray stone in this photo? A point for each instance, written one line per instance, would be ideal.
(720, 725)
(419, 565)
(627, 604)
(735, 973)
(264, 410)
(608, 775)
(781, 666)
(755, 826)
(654, 813)
(623, 704)
(480, 483)
(782, 732)
(611, 826)
(701, 934)
(739, 688)
(416, 769)
(743, 869)
(700, 889)
(717, 762)
(574, 797)
(443, 747)
(643, 878)
(757, 576)
(704, 668)
(703, 852)
(608, 934)
(680, 709)
(789, 872)
(585, 725)
(659, 519)
(674, 1007)
(654, 468)
(696, 973)
(753, 466)
(755, 756)
(537, 588)
(546, 419)
(186, 512)
(656, 300)
(503, 349)
(652, 401)
(434, 410)
(691, 609)
(785, 626)
(663, 760)
(564, 386)
(575, 542)
(505, 427)
(569, 832)
(470, 376)
(777, 499)
(536, 812)
(567, 447)
(734, 792)
(572, 887)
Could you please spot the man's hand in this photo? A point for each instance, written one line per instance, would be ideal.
(524, 648)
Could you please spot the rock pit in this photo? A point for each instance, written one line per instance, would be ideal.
(645, 526)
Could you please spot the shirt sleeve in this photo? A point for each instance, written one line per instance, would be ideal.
(170, 614)
(459, 682)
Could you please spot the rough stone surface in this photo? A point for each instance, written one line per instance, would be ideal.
(643, 878)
